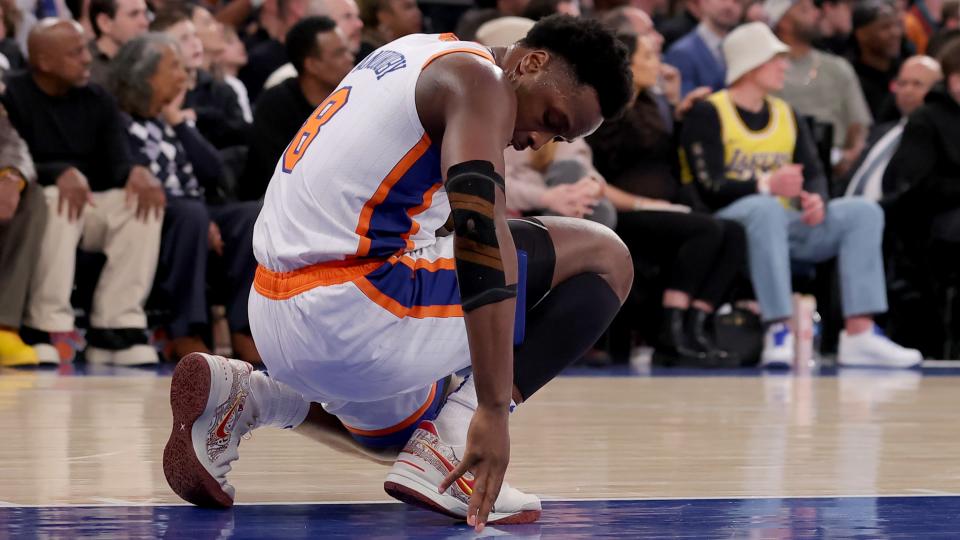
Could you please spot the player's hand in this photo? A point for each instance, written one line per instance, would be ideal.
(787, 181)
(486, 456)
(572, 200)
(146, 192)
(74, 193)
(813, 210)
(9, 195)
(214, 239)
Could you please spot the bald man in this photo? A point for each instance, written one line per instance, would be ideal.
(95, 199)
(916, 77)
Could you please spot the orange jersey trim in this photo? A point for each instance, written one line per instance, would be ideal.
(401, 311)
(284, 285)
(424, 264)
(394, 176)
(481, 54)
(407, 422)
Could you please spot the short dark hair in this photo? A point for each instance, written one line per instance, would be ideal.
(105, 7)
(171, 15)
(950, 58)
(302, 39)
(597, 58)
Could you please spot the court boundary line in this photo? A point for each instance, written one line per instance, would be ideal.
(131, 504)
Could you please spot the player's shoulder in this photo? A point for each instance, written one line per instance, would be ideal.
(468, 76)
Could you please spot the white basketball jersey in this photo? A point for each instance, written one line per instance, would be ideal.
(361, 178)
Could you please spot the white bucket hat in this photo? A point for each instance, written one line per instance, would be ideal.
(504, 31)
(749, 47)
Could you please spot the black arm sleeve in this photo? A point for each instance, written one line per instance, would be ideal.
(805, 153)
(702, 144)
(205, 159)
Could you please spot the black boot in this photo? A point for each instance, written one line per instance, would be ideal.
(700, 336)
(674, 347)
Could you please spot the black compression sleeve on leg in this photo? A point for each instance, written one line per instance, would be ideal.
(562, 328)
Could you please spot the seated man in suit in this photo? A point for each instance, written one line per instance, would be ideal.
(917, 76)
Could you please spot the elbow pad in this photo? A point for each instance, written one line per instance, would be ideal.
(471, 187)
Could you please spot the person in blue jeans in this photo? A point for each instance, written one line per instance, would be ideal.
(755, 164)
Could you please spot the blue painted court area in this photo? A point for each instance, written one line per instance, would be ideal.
(795, 518)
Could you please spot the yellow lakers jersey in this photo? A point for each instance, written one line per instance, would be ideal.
(749, 154)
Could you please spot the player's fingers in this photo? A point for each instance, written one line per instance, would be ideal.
(462, 468)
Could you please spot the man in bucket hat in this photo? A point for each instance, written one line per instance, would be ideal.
(755, 164)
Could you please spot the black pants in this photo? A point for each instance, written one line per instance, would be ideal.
(702, 255)
(182, 273)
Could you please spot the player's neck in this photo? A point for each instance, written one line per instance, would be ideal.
(314, 90)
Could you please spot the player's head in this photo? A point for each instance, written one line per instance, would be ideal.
(573, 73)
(58, 51)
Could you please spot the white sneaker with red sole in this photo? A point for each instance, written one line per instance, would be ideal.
(212, 411)
(423, 464)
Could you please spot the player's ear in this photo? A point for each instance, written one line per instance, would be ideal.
(534, 61)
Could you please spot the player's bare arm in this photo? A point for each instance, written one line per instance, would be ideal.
(467, 103)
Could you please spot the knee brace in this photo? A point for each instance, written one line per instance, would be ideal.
(472, 187)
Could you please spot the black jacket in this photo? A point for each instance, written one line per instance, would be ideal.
(923, 177)
(219, 116)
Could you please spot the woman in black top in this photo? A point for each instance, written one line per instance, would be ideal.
(702, 255)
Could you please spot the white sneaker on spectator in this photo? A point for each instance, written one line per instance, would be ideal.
(778, 345)
(873, 348)
(47, 354)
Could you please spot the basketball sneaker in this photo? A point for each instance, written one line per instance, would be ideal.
(212, 410)
(423, 464)
(778, 344)
(874, 349)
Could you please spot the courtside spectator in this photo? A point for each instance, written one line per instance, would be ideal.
(347, 16)
(387, 20)
(836, 25)
(819, 84)
(876, 54)
(675, 28)
(209, 102)
(96, 199)
(485, 11)
(917, 76)
(265, 57)
(233, 58)
(697, 55)
(320, 54)
(11, 57)
(702, 255)
(114, 23)
(147, 77)
(755, 164)
(23, 216)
